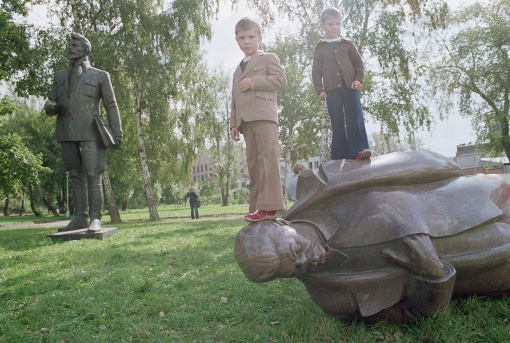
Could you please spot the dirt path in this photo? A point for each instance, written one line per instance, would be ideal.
(32, 224)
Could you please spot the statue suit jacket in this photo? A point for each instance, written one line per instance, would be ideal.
(77, 107)
(259, 103)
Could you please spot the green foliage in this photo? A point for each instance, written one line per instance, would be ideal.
(226, 154)
(474, 69)
(389, 35)
(300, 109)
(177, 281)
(151, 50)
(19, 166)
(37, 132)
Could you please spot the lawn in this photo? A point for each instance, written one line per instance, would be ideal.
(176, 280)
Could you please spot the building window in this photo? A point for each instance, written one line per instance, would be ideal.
(310, 165)
(193, 169)
(316, 163)
(202, 169)
(206, 167)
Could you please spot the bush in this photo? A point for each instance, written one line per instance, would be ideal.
(240, 196)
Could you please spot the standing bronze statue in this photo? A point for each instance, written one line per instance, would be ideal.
(75, 96)
(391, 238)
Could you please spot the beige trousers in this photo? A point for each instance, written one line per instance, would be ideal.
(263, 156)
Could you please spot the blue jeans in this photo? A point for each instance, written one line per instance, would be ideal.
(349, 134)
(194, 210)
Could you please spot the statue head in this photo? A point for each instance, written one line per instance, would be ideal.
(79, 47)
(269, 249)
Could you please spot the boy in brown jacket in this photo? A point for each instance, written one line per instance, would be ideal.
(337, 74)
(255, 115)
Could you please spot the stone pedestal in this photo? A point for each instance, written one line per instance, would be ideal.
(82, 233)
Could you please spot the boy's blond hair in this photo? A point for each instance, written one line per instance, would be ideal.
(331, 12)
(248, 24)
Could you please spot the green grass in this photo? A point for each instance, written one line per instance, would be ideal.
(176, 280)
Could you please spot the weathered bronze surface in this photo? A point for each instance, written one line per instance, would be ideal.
(75, 97)
(391, 238)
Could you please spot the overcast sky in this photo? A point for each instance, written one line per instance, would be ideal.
(223, 50)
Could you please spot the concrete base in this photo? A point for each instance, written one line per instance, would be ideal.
(82, 233)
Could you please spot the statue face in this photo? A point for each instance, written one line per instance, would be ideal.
(297, 254)
(76, 50)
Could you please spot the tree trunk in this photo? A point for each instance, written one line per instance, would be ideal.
(32, 205)
(324, 148)
(22, 207)
(6, 206)
(286, 170)
(110, 199)
(48, 204)
(151, 204)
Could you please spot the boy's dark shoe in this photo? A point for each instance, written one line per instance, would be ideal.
(259, 215)
(364, 154)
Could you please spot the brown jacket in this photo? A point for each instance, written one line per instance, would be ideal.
(332, 60)
(258, 103)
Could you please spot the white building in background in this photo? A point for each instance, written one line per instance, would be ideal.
(201, 169)
(472, 161)
(312, 163)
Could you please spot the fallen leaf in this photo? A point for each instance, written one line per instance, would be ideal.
(45, 330)
(161, 314)
(224, 300)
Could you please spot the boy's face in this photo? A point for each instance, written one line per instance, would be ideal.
(332, 26)
(248, 41)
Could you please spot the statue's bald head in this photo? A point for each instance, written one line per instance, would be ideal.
(256, 252)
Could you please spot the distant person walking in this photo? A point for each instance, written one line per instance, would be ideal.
(193, 202)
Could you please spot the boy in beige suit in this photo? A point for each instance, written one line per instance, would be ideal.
(255, 115)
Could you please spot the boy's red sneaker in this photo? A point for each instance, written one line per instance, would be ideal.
(259, 215)
(363, 155)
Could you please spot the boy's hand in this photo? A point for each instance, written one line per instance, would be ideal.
(246, 84)
(356, 85)
(234, 133)
(323, 95)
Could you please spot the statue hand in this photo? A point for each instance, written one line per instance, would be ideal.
(119, 142)
(50, 106)
(420, 256)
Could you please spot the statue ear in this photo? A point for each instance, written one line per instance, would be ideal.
(308, 184)
(308, 187)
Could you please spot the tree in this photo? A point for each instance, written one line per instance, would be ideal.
(474, 68)
(300, 110)
(21, 117)
(388, 34)
(226, 154)
(151, 49)
(19, 167)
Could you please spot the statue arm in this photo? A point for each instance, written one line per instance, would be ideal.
(112, 110)
(420, 256)
(50, 106)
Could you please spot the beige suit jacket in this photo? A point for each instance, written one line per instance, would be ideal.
(259, 103)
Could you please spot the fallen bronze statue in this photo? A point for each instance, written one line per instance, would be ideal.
(391, 238)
